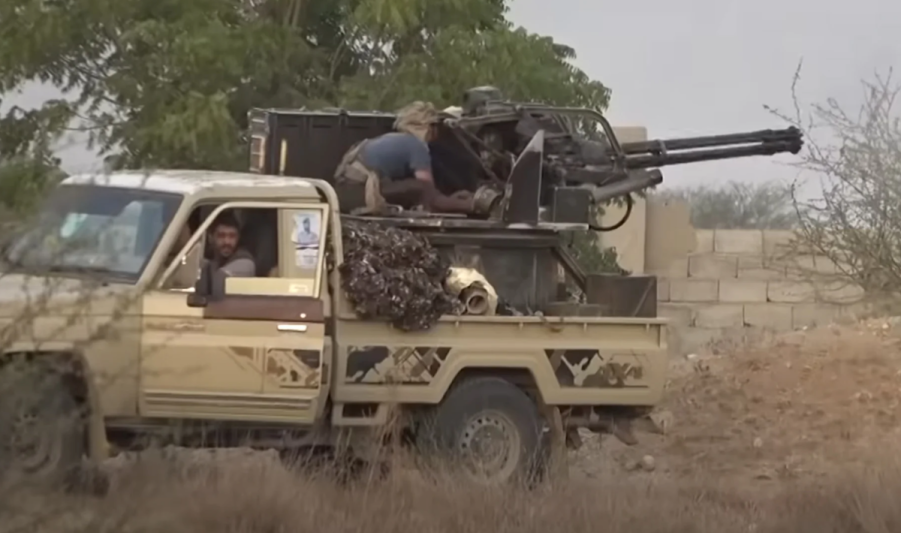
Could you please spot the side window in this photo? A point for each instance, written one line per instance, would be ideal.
(292, 263)
(242, 241)
(258, 241)
(263, 250)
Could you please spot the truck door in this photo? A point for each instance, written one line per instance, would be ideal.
(258, 353)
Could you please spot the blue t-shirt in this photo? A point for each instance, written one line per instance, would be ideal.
(396, 156)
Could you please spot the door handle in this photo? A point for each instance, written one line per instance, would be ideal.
(294, 328)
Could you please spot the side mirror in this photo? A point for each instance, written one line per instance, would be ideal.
(210, 286)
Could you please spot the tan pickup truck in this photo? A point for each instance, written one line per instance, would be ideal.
(121, 330)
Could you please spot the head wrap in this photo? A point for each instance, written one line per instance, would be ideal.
(415, 119)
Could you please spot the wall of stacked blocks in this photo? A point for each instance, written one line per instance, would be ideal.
(738, 282)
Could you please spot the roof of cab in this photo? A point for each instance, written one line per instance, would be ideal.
(190, 182)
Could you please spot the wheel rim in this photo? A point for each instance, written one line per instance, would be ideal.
(490, 446)
(33, 443)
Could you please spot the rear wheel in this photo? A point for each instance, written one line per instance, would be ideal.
(42, 434)
(490, 429)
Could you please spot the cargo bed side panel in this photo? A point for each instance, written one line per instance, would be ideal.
(592, 362)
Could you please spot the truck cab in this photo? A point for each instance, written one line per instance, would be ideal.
(151, 345)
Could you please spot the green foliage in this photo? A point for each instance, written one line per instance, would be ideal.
(588, 251)
(167, 83)
(766, 205)
(592, 257)
(27, 164)
(22, 182)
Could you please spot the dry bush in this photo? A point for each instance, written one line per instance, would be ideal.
(855, 159)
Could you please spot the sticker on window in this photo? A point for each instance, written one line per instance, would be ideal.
(306, 238)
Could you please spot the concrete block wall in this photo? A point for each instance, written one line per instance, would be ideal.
(740, 279)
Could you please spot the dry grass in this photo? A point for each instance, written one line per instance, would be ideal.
(253, 496)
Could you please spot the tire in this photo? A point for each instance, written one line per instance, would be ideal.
(42, 432)
(476, 405)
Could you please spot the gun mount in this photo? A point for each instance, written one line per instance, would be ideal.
(550, 163)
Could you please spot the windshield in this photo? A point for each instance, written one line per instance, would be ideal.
(89, 228)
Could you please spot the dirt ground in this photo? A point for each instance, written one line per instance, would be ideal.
(792, 434)
(796, 406)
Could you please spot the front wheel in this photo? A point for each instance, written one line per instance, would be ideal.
(42, 436)
(489, 428)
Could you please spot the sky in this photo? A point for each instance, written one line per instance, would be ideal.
(698, 67)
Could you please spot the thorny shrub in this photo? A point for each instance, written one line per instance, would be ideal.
(855, 159)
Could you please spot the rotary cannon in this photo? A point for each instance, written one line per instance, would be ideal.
(566, 158)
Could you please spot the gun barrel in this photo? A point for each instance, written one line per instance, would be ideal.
(663, 146)
(635, 181)
(696, 156)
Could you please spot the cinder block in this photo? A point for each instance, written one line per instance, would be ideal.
(738, 241)
(662, 290)
(838, 292)
(719, 316)
(678, 268)
(807, 263)
(790, 291)
(693, 290)
(712, 266)
(704, 241)
(808, 266)
(757, 268)
(742, 290)
(804, 315)
(776, 317)
(679, 315)
(748, 262)
(762, 274)
(777, 243)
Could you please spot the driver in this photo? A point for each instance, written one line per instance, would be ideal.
(227, 256)
(396, 168)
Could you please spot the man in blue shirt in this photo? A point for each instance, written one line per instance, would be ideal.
(396, 168)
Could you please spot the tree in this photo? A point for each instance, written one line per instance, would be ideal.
(734, 205)
(167, 83)
(856, 159)
(27, 163)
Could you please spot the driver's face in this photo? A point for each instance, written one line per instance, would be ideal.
(225, 240)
